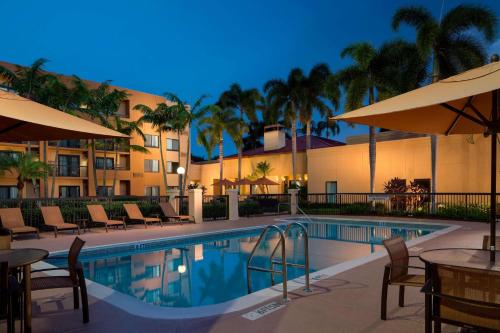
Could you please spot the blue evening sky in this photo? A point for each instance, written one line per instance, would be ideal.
(194, 47)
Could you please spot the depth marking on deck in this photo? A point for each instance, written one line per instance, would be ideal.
(263, 311)
(415, 249)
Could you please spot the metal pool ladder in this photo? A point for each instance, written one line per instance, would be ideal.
(282, 261)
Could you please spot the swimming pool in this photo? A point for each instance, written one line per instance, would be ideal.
(209, 269)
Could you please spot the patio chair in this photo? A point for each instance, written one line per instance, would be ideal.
(12, 220)
(134, 214)
(74, 279)
(396, 272)
(464, 297)
(53, 218)
(168, 213)
(10, 292)
(98, 215)
(487, 243)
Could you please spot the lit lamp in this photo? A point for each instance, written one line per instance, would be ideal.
(181, 171)
(181, 269)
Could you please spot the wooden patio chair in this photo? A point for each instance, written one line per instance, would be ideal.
(10, 292)
(464, 297)
(12, 220)
(53, 218)
(168, 213)
(135, 214)
(98, 215)
(75, 279)
(487, 243)
(396, 272)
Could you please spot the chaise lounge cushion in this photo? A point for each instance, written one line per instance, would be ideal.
(23, 230)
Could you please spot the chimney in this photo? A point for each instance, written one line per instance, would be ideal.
(274, 137)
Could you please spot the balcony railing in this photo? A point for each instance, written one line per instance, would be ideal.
(68, 171)
(67, 144)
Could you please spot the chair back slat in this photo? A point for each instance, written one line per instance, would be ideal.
(52, 215)
(399, 256)
(11, 218)
(133, 211)
(74, 252)
(167, 209)
(97, 213)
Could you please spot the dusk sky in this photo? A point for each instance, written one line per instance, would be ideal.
(196, 47)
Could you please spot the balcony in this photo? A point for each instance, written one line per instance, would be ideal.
(68, 171)
(67, 144)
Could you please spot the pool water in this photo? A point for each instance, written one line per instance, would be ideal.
(210, 269)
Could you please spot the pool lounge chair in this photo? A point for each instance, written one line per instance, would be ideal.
(169, 213)
(396, 272)
(12, 220)
(98, 215)
(53, 218)
(135, 214)
(75, 279)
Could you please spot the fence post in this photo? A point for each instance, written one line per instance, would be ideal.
(294, 200)
(171, 198)
(233, 204)
(196, 204)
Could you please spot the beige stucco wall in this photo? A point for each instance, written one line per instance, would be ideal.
(461, 166)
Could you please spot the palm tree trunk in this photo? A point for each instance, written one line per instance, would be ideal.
(240, 156)
(115, 171)
(221, 163)
(433, 138)
(20, 186)
(308, 134)
(179, 159)
(162, 160)
(55, 171)
(104, 169)
(372, 152)
(294, 148)
(188, 156)
(94, 171)
(45, 177)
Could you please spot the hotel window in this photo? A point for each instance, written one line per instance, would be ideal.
(425, 183)
(8, 192)
(9, 154)
(68, 165)
(173, 144)
(172, 167)
(99, 163)
(69, 191)
(151, 166)
(152, 191)
(152, 296)
(152, 271)
(151, 141)
(104, 191)
(124, 109)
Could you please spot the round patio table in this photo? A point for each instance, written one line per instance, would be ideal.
(18, 258)
(468, 258)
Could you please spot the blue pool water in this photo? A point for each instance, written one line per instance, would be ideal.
(210, 269)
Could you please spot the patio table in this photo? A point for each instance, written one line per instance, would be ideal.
(18, 258)
(468, 258)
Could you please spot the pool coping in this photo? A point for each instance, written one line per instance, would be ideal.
(136, 307)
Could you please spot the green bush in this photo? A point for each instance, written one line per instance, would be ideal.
(249, 207)
(214, 210)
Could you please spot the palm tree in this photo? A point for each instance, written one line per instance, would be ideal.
(26, 167)
(215, 124)
(246, 102)
(449, 44)
(128, 128)
(287, 96)
(160, 119)
(102, 103)
(207, 142)
(187, 116)
(323, 126)
(263, 168)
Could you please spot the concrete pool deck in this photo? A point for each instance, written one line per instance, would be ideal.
(347, 302)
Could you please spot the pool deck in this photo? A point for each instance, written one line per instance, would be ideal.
(347, 302)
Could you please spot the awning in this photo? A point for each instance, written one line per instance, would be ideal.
(23, 120)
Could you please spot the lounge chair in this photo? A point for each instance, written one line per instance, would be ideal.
(75, 279)
(53, 218)
(134, 214)
(12, 220)
(486, 243)
(464, 297)
(98, 215)
(168, 213)
(396, 272)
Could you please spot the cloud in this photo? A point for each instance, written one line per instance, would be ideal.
(494, 48)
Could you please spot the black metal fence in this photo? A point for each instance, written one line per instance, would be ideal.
(258, 204)
(74, 209)
(215, 207)
(463, 206)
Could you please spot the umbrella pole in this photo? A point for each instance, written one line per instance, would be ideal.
(493, 199)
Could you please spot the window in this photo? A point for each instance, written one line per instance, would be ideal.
(152, 296)
(152, 191)
(331, 191)
(9, 154)
(69, 191)
(152, 271)
(151, 166)
(105, 191)
(425, 183)
(172, 167)
(99, 163)
(151, 141)
(68, 166)
(173, 144)
(124, 109)
(8, 192)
